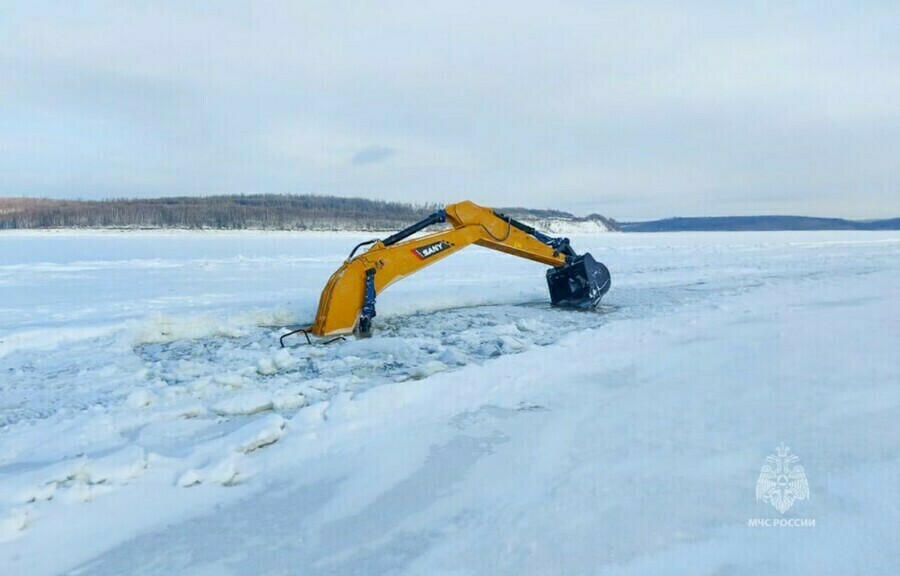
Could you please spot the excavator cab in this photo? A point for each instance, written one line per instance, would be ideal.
(347, 304)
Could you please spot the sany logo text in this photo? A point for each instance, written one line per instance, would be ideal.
(429, 250)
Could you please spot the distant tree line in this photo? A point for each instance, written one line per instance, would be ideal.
(758, 223)
(270, 212)
(241, 212)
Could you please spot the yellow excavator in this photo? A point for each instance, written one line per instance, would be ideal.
(347, 304)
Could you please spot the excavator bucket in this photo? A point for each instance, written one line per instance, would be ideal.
(581, 283)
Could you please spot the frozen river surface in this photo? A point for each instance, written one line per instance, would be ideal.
(150, 424)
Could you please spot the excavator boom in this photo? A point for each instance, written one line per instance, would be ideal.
(347, 303)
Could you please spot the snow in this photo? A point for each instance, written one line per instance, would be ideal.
(150, 423)
(568, 226)
(244, 403)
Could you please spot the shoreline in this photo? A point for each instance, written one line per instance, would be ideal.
(216, 231)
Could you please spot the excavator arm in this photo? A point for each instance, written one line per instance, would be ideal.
(347, 303)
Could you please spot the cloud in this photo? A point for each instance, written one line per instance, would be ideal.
(635, 110)
(372, 155)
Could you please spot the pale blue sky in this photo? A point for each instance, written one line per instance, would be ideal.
(634, 110)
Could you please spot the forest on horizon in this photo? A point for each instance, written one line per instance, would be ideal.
(240, 212)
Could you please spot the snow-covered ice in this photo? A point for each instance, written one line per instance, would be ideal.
(151, 424)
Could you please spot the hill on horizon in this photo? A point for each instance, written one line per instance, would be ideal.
(256, 212)
(757, 223)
